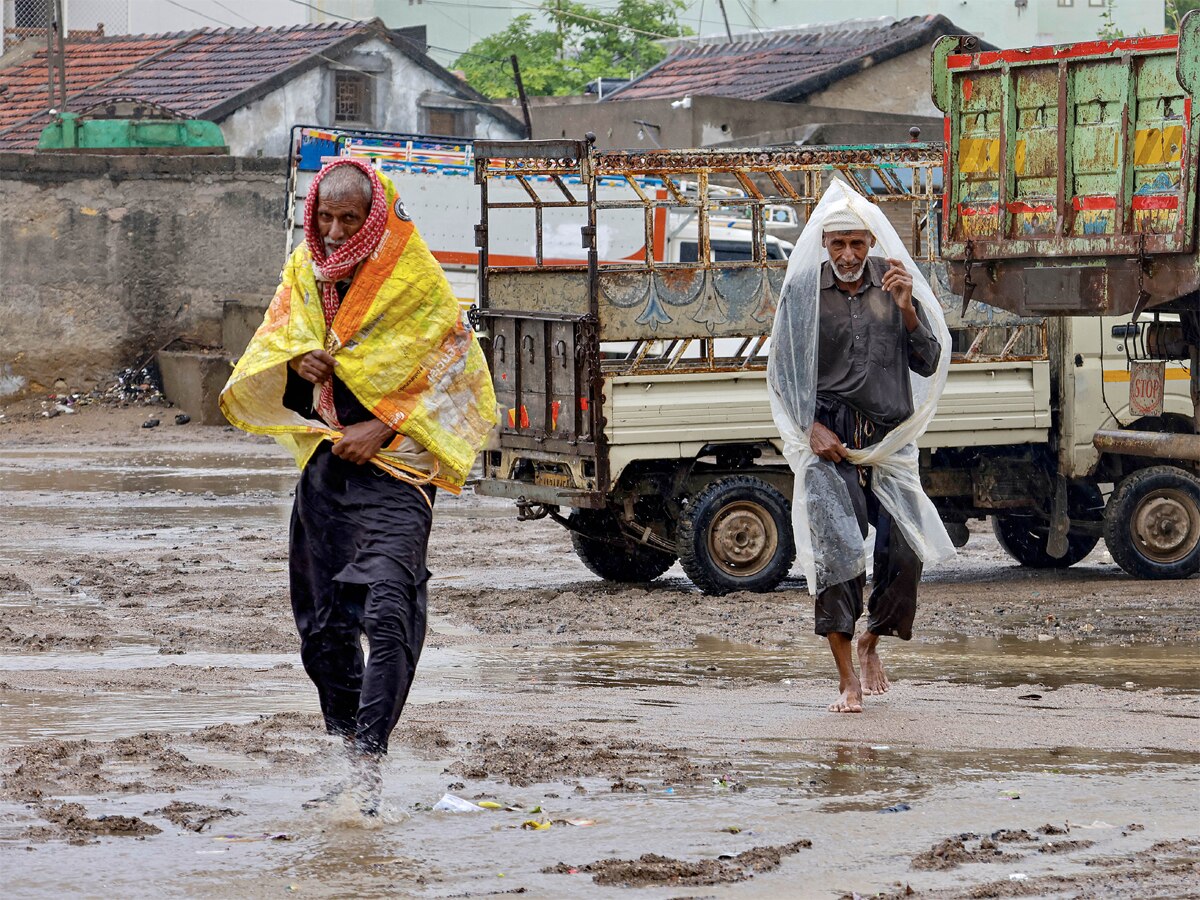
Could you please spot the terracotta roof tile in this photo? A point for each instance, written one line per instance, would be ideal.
(190, 72)
(787, 66)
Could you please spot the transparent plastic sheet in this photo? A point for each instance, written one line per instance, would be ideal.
(829, 544)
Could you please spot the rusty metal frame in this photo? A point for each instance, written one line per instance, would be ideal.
(655, 182)
(769, 177)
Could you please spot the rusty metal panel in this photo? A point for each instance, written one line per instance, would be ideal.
(1055, 288)
(679, 302)
(539, 291)
(976, 157)
(1033, 207)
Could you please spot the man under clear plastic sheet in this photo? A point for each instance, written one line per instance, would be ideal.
(859, 358)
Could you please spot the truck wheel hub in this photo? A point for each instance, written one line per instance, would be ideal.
(1167, 526)
(743, 539)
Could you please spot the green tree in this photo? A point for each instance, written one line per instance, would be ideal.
(1176, 9)
(581, 44)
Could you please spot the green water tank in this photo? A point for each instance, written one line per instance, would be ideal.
(130, 126)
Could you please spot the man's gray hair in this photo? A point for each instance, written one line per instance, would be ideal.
(343, 184)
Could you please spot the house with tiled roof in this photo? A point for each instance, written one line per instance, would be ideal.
(256, 83)
(879, 64)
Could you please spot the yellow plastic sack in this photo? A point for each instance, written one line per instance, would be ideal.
(401, 347)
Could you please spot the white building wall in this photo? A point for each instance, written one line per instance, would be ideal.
(899, 85)
(263, 128)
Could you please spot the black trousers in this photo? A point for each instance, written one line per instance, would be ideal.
(893, 602)
(358, 544)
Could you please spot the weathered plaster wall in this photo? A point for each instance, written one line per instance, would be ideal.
(900, 85)
(104, 259)
(400, 91)
(709, 121)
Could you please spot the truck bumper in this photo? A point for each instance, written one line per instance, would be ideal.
(545, 495)
(1156, 444)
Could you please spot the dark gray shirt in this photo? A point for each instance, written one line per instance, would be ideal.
(864, 352)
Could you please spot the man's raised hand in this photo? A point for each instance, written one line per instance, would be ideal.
(899, 284)
(315, 366)
(825, 444)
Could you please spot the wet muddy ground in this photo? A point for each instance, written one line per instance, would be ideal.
(159, 734)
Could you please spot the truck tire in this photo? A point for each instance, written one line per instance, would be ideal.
(736, 535)
(1024, 537)
(607, 554)
(1152, 523)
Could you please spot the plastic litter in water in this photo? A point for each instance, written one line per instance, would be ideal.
(489, 804)
(451, 803)
(535, 825)
(1017, 876)
(896, 807)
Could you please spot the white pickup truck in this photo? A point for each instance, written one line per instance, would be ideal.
(635, 398)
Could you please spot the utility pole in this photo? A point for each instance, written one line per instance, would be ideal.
(516, 67)
(725, 17)
(56, 58)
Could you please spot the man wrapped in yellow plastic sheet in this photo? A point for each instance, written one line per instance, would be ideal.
(859, 357)
(364, 369)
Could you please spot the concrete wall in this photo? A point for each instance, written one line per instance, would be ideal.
(400, 94)
(104, 259)
(900, 85)
(720, 120)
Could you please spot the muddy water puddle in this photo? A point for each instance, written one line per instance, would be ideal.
(984, 662)
(416, 852)
(457, 672)
(121, 471)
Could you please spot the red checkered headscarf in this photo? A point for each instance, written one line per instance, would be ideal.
(340, 266)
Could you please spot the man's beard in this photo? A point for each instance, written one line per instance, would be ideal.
(331, 248)
(842, 276)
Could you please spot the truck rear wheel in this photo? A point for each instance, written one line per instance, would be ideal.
(736, 535)
(602, 548)
(1152, 523)
(1024, 537)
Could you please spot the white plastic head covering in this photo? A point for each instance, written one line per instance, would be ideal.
(829, 544)
(843, 218)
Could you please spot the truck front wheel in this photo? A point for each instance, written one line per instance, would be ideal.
(601, 547)
(1024, 537)
(736, 535)
(1152, 523)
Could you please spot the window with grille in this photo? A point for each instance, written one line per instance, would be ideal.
(448, 122)
(350, 97)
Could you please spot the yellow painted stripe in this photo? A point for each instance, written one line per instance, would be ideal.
(978, 155)
(1123, 375)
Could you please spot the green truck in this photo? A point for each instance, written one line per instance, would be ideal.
(1071, 190)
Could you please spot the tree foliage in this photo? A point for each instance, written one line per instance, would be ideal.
(581, 44)
(1175, 10)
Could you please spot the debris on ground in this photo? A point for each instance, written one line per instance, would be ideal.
(652, 869)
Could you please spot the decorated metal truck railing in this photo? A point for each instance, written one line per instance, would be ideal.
(573, 344)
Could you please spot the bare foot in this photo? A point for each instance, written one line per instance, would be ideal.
(851, 699)
(875, 680)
